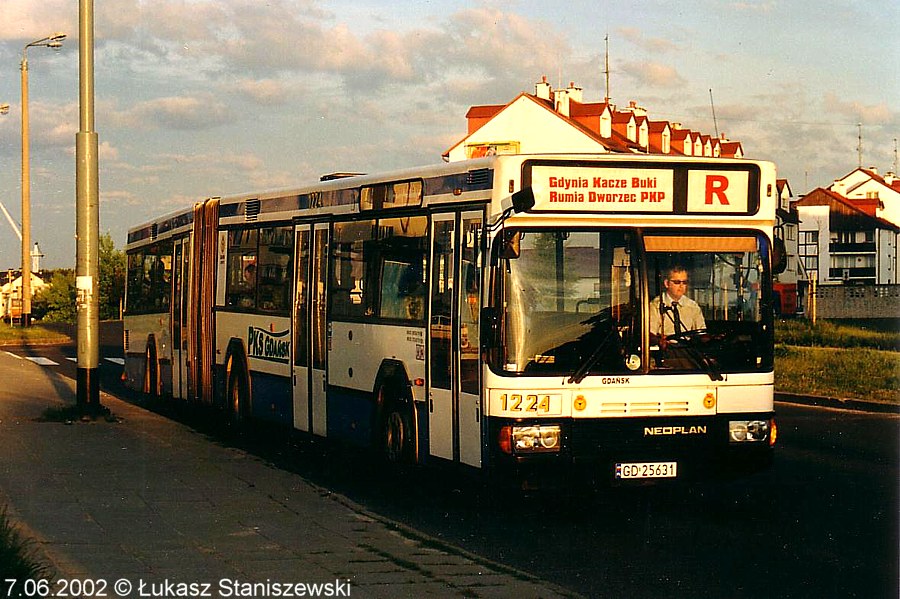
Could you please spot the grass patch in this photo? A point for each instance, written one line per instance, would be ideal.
(859, 373)
(830, 334)
(32, 335)
(18, 557)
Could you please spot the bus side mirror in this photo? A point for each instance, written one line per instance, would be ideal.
(511, 245)
(779, 256)
(523, 200)
(490, 327)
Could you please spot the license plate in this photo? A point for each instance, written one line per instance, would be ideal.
(647, 470)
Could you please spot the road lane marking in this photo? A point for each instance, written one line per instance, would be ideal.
(12, 354)
(119, 361)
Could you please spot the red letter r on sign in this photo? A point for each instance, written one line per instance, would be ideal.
(716, 186)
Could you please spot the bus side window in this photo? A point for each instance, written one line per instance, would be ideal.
(241, 277)
(349, 288)
(401, 255)
(274, 268)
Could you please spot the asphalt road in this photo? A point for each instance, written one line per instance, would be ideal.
(823, 522)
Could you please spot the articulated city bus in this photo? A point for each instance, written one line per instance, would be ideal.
(512, 313)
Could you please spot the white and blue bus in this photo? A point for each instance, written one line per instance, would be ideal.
(496, 313)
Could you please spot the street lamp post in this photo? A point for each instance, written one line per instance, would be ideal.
(4, 110)
(54, 41)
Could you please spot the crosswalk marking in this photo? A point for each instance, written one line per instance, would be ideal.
(42, 361)
(119, 361)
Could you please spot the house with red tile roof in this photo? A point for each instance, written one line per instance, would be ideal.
(561, 121)
(870, 192)
(842, 242)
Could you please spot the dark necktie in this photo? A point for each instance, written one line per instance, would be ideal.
(679, 327)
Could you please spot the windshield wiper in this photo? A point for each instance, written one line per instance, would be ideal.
(699, 356)
(592, 359)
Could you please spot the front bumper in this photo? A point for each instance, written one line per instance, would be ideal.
(591, 448)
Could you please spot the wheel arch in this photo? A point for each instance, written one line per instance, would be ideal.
(393, 379)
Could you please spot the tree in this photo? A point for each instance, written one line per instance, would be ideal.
(56, 302)
(111, 283)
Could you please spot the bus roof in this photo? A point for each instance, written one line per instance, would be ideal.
(464, 179)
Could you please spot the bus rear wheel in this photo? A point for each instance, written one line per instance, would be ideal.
(237, 391)
(151, 371)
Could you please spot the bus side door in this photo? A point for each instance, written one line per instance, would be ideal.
(310, 301)
(454, 372)
(179, 307)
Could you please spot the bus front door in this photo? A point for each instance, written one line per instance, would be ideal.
(310, 300)
(454, 400)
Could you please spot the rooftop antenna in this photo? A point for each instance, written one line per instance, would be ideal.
(859, 143)
(895, 155)
(713, 106)
(606, 72)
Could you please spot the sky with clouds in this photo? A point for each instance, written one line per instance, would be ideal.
(198, 98)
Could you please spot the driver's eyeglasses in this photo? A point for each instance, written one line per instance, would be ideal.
(678, 281)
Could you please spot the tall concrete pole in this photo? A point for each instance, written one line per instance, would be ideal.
(26, 198)
(87, 222)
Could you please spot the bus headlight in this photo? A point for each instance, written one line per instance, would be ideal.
(748, 431)
(535, 438)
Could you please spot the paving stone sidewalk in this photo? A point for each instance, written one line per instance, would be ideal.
(153, 502)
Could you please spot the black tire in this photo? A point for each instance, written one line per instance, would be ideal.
(151, 371)
(397, 434)
(237, 391)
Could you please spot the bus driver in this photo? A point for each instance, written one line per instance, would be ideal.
(673, 312)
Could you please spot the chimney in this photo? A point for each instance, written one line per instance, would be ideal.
(635, 109)
(542, 90)
(675, 126)
(838, 187)
(889, 178)
(561, 98)
(575, 93)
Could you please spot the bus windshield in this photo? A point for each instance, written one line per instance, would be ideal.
(574, 305)
(568, 293)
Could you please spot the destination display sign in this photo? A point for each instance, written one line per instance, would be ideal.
(679, 189)
(602, 189)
